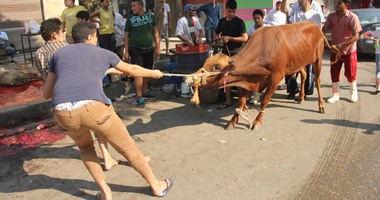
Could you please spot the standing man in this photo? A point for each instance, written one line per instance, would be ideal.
(189, 29)
(231, 29)
(68, 18)
(140, 40)
(314, 6)
(212, 12)
(119, 34)
(302, 12)
(345, 28)
(106, 16)
(167, 24)
(275, 17)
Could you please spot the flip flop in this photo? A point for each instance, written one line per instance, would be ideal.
(223, 106)
(168, 186)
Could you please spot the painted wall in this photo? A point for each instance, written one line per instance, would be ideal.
(245, 9)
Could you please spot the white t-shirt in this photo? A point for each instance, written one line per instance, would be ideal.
(310, 15)
(275, 18)
(166, 10)
(252, 29)
(184, 29)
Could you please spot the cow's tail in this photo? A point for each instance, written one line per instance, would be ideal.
(330, 47)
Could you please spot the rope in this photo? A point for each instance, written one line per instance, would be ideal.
(192, 78)
(180, 75)
(337, 57)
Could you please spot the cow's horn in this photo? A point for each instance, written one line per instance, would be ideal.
(230, 61)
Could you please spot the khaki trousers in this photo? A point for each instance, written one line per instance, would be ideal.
(103, 120)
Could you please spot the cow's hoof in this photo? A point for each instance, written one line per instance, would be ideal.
(300, 101)
(254, 127)
(229, 127)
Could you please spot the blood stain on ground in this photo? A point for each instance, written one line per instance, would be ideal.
(19, 95)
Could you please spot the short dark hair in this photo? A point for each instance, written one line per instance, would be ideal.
(82, 30)
(347, 1)
(231, 4)
(258, 12)
(49, 26)
(141, 2)
(83, 15)
(278, 2)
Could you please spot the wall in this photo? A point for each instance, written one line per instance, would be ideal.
(245, 9)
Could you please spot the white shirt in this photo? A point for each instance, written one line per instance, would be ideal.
(310, 15)
(275, 18)
(166, 10)
(184, 29)
(314, 6)
(4, 36)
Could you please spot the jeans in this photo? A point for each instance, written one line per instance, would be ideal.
(108, 41)
(103, 120)
(9, 49)
(209, 33)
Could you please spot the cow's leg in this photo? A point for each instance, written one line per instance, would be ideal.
(301, 95)
(195, 99)
(317, 67)
(243, 96)
(272, 86)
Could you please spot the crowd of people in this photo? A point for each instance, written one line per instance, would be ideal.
(74, 68)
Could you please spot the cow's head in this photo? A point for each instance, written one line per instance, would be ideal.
(218, 63)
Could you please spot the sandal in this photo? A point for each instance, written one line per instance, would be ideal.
(223, 106)
(169, 184)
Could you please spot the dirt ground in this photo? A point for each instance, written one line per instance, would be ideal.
(297, 153)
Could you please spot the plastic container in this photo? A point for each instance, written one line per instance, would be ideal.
(191, 58)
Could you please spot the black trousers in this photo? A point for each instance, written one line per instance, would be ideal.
(291, 82)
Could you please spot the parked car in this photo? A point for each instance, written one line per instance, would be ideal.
(369, 19)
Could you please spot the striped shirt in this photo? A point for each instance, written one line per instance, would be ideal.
(43, 55)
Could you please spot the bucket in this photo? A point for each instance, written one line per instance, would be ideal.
(191, 58)
(208, 95)
(185, 89)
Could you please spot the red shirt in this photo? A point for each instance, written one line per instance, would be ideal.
(343, 30)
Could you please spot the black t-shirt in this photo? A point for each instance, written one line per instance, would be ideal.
(235, 28)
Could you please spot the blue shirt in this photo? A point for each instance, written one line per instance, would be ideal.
(79, 70)
(212, 14)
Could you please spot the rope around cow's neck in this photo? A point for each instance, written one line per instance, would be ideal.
(191, 78)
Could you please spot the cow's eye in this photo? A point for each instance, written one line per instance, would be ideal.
(217, 68)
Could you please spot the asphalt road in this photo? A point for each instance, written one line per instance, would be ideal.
(297, 153)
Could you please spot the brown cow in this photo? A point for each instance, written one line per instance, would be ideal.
(269, 55)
